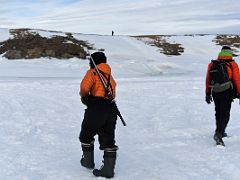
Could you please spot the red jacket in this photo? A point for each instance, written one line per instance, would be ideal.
(233, 73)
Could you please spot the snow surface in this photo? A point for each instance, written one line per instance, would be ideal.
(169, 126)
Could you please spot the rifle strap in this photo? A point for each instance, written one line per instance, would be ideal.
(108, 83)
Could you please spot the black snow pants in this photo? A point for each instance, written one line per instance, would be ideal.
(223, 102)
(99, 119)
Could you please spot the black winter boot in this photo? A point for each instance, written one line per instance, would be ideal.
(224, 135)
(107, 169)
(87, 160)
(218, 138)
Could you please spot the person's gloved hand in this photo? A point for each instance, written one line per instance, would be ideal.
(86, 100)
(208, 99)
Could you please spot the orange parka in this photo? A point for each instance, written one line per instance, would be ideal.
(233, 73)
(92, 85)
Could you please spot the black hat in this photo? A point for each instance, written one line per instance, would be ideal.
(98, 57)
(226, 48)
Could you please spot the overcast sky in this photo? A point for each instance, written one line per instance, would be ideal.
(125, 17)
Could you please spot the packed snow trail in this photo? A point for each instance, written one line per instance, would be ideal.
(169, 132)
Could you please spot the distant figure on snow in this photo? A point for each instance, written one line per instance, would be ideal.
(223, 85)
(99, 118)
(112, 33)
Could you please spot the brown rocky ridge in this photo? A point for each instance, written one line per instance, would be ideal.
(27, 44)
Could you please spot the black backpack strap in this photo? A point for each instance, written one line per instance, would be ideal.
(229, 63)
(231, 67)
(108, 82)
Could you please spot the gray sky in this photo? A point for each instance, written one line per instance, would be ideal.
(131, 17)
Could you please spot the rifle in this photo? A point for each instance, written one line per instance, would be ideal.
(108, 92)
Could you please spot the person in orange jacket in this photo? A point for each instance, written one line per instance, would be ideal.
(223, 99)
(99, 118)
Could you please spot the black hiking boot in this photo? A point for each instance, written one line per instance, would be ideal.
(218, 138)
(107, 169)
(87, 160)
(224, 135)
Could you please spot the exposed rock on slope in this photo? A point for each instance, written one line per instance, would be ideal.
(166, 47)
(229, 40)
(27, 44)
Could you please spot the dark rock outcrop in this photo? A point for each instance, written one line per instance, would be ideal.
(27, 44)
(230, 40)
(166, 47)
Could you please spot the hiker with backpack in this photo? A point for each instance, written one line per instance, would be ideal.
(100, 116)
(222, 86)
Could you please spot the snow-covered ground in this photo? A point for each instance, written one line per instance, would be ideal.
(169, 126)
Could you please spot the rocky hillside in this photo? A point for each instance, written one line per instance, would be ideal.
(165, 47)
(230, 40)
(27, 44)
(32, 44)
(172, 48)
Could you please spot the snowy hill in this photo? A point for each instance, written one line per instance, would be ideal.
(169, 126)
